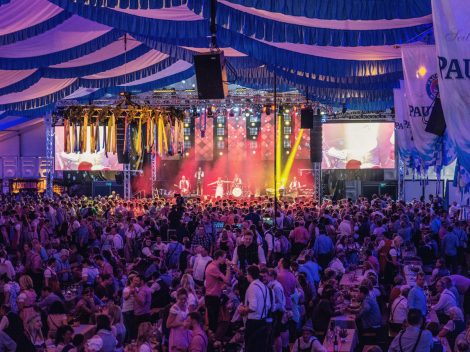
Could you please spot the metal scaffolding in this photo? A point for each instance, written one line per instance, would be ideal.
(49, 170)
(127, 181)
(317, 192)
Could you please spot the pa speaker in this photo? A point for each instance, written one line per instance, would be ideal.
(123, 158)
(306, 118)
(211, 75)
(436, 123)
(316, 140)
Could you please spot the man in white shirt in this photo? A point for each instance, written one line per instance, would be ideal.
(337, 263)
(399, 309)
(447, 299)
(256, 310)
(200, 263)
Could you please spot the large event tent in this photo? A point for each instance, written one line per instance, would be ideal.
(343, 52)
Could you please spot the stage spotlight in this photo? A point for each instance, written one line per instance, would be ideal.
(286, 110)
(253, 124)
(247, 112)
(254, 151)
(221, 153)
(186, 125)
(187, 153)
(287, 123)
(220, 125)
(288, 152)
(186, 138)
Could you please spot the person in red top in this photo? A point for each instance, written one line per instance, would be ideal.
(215, 281)
(300, 237)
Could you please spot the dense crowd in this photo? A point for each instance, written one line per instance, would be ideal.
(106, 274)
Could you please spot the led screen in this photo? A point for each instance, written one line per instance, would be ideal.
(358, 145)
(96, 161)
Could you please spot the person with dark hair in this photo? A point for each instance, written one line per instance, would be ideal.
(414, 338)
(63, 338)
(369, 316)
(199, 340)
(248, 252)
(142, 301)
(214, 283)
(324, 310)
(258, 302)
(103, 330)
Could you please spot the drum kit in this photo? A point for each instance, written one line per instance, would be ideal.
(235, 190)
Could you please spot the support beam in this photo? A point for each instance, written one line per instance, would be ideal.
(317, 192)
(49, 155)
(127, 181)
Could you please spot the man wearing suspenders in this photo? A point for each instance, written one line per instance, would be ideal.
(414, 338)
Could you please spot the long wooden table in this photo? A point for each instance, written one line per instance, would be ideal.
(349, 344)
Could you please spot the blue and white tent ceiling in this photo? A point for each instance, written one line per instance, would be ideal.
(340, 51)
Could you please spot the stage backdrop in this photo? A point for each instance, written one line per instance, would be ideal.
(452, 35)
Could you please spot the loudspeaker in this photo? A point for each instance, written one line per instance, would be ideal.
(436, 123)
(119, 177)
(211, 75)
(316, 140)
(123, 158)
(306, 118)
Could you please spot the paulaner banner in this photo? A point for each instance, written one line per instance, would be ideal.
(452, 35)
(421, 88)
(404, 136)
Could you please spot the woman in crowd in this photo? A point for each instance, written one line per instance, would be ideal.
(179, 336)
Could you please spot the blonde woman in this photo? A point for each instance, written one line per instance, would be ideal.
(33, 331)
(26, 298)
(187, 282)
(117, 326)
(143, 337)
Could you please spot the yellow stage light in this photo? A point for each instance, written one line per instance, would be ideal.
(290, 160)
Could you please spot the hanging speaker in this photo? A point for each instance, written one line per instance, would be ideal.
(211, 75)
(306, 118)
(123, 158)
(316, 140)
(436, 123)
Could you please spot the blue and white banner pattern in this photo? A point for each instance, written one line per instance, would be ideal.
(420, 73)
(404, 135)
(452, 34)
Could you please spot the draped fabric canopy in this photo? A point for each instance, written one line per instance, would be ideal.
(343, 52)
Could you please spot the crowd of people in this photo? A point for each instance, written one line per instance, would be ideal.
(107, 274)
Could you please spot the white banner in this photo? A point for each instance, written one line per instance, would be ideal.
(404, 136)
(420, 72)
(452, 35)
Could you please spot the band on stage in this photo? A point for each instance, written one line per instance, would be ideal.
(224, 187)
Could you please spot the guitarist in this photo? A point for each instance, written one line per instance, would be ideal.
(183, 185)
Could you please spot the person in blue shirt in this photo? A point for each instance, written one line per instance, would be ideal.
(450, 246)
(323, 249)
(311, 270)
(417, 297)
(369, 314)
(435, 224)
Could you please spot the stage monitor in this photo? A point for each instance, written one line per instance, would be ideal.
(359, 145)
(84, 161)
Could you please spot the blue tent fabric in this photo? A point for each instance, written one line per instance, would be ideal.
(277, 31)
(29, 32)
(25, 63)
(150, 27)
(344, 9)
(330, 79)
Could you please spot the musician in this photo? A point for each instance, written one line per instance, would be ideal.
(237, 182)
(184, 185)
(219, 189)
(294, 187)
(199, 176)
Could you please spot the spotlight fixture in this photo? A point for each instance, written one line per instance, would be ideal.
(221, 153)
